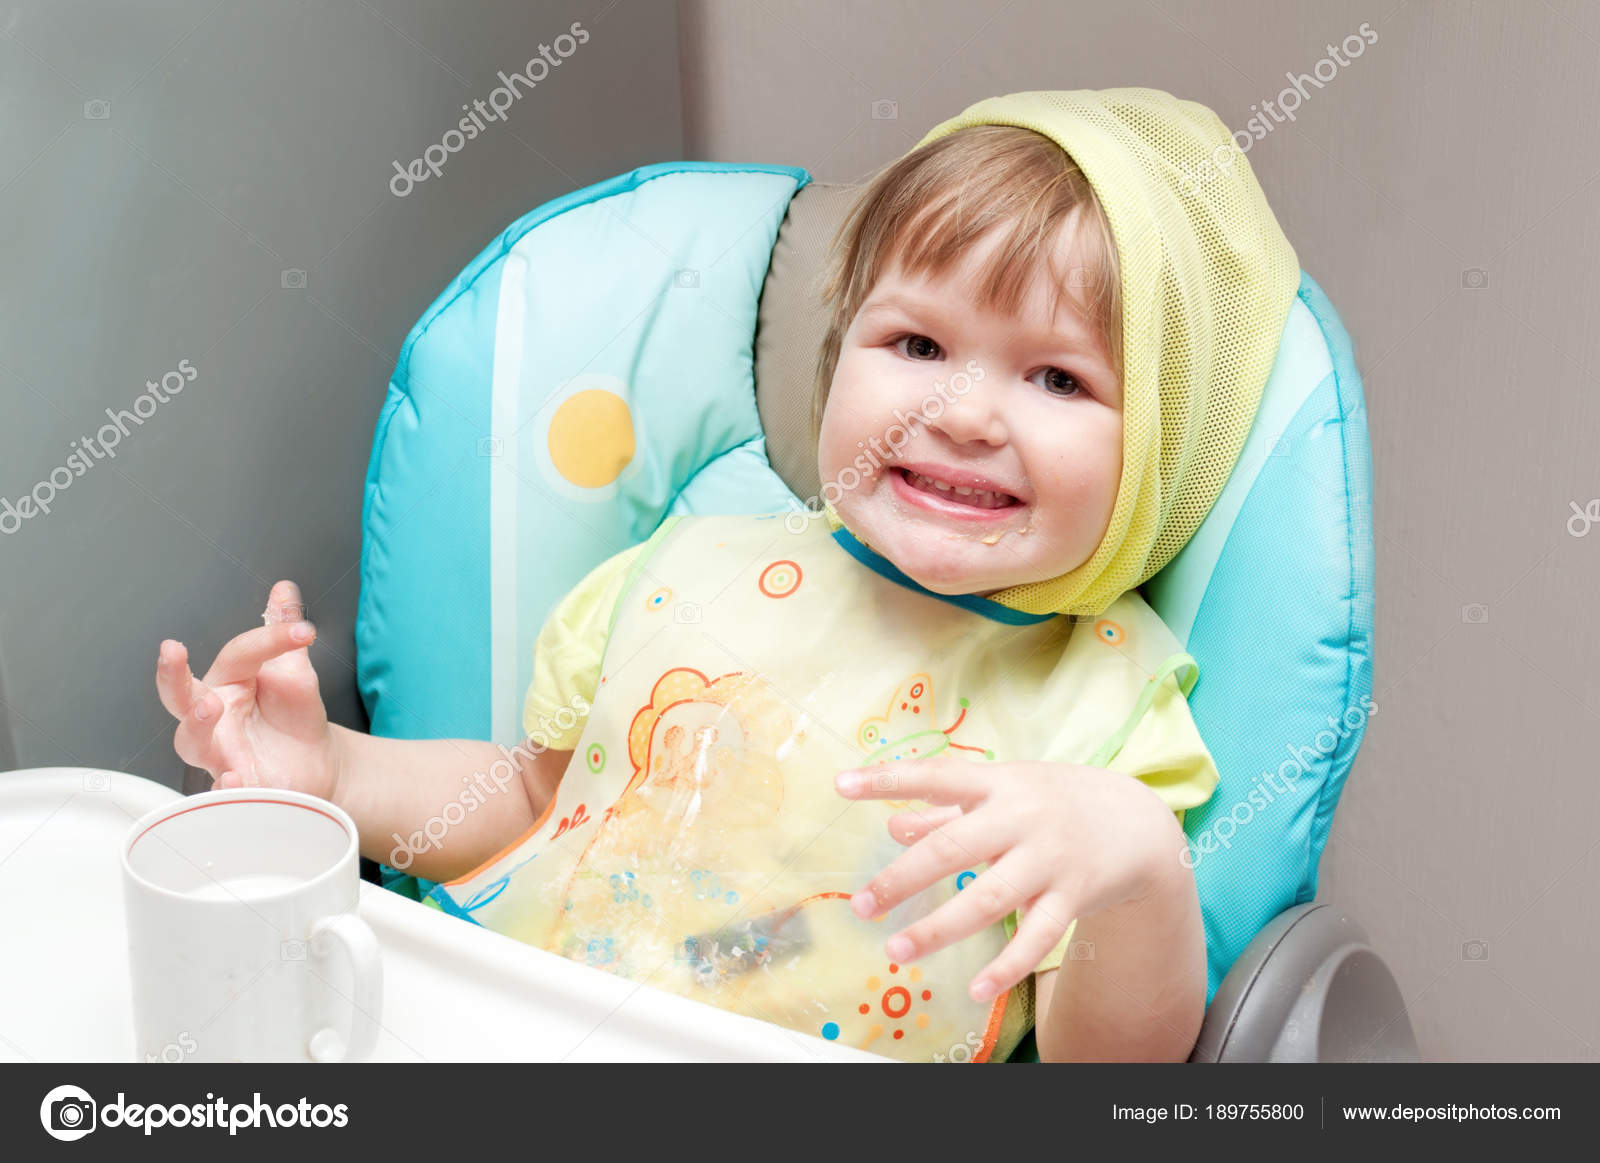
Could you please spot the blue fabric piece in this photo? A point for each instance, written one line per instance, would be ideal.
(675, 256)
(423, 628)
(399, 882)
(440, 897)
(420, 481)
(882, 565)
(1284, 642)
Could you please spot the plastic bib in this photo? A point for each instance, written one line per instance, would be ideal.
(696, 842)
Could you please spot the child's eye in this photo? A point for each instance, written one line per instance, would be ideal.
(1058, 382)
(917, 347)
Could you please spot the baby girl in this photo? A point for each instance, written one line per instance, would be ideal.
(908, 773)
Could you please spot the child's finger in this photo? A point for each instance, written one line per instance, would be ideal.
(175, 683)
(284, 603)
(242, 657)
(913, 824)
(983, 902)
(959, 845)
(937, 779)
(294, 666)
(288, 686)
(1042, 926)
(195, 740)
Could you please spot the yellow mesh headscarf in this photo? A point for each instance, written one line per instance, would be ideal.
(1207, 282)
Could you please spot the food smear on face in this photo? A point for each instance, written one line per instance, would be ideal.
(988, 538)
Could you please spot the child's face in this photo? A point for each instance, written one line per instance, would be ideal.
(1036, 411)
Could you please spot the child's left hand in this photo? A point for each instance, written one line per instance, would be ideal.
(1062, 839)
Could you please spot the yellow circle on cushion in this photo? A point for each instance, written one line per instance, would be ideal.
(591, 438)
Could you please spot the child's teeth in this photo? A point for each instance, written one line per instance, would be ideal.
(980, 497)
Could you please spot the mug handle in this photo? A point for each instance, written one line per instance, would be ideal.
(360, 947)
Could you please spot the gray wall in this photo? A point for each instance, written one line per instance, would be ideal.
(162, 164)
(1464, 140)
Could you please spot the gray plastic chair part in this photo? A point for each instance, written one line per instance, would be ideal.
(1308, 989)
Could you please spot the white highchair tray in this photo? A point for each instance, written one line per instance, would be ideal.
(453, 992)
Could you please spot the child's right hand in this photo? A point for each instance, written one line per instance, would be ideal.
(256, 719)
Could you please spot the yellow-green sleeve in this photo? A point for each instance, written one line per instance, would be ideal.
(1166, 752)
(568, 652)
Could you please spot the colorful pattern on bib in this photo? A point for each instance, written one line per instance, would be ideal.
(696, 842)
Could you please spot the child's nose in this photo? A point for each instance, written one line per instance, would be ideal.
(974, 415)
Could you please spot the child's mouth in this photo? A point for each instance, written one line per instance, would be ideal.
(945, 497)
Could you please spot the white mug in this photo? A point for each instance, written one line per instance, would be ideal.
(243, 936)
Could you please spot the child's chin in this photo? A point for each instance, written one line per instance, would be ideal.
(934, 573)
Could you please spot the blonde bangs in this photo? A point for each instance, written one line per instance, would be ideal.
(924, 211)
